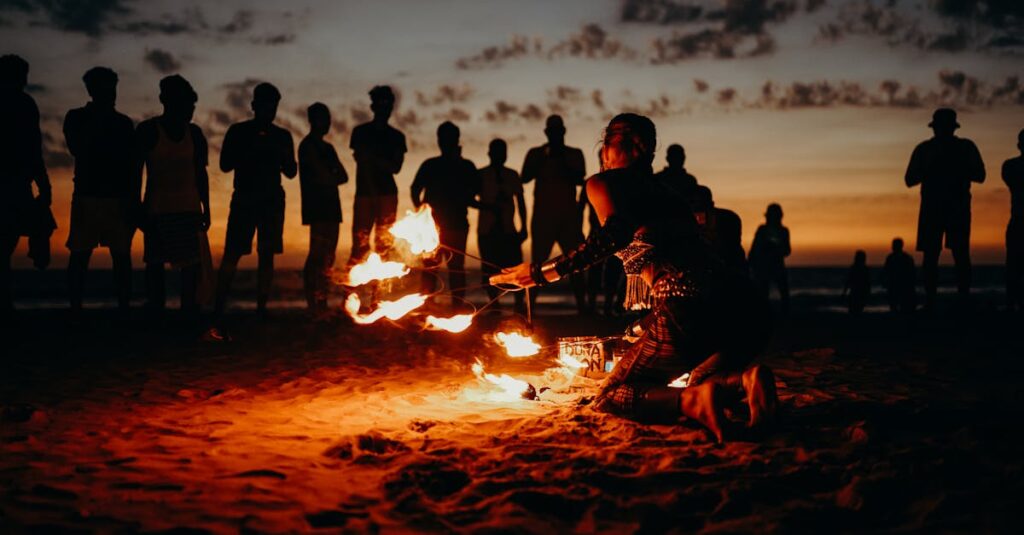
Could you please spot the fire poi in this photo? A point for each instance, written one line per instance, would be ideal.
(517, 345)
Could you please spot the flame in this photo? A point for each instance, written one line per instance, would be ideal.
(419, 230)
(374, 268)
(454, 324)
(391, 310)
(517, 345)
(680, 382)
(570, 362)
(510, 388)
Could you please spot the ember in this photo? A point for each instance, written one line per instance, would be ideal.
(517, 345)
(418, 230)
(374, 268)
(454, 324)
(391, 310)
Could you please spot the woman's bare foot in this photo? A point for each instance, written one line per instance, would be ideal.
(703, 403)
(759, 384)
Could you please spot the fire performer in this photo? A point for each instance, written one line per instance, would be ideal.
(705, 319)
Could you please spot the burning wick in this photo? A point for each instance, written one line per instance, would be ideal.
(419, 230)
(512, 389)
(391, 310)
(454, 324)
(375, 269)
(517, 345)
(680, 382)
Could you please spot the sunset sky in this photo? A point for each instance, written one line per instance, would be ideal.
(815, 104)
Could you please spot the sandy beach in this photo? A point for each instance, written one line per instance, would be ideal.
(903, 424)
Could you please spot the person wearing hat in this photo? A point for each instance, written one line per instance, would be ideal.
(105, 201)
(21, 164)
(176, 203)
(944, 166)
(1013, 175)
(559, 171)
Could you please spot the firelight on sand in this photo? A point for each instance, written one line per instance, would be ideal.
(454, 324)
(374, 268)
(509, 388)
(517, 345)
(391, 310)
(418, 230)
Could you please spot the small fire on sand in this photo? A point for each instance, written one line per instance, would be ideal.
(509, 388)
(517, 345)
(454, 324)
(391, 310)
(374, 268)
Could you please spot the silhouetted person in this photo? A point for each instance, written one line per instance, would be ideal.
(721, 228)
(559, 170)
(858, 284)
(259, 152)
(449, 184)
(21, 164)
(674, 176)
(105, 203)
(945, 166)
(320, 174)
(379, 150)
(900, 279)
(177, 197)
(768, 255)
(501, 192)
(1013, 175)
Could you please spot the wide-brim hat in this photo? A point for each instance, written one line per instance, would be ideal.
(944, 116)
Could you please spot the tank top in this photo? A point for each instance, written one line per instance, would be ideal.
(171, 175)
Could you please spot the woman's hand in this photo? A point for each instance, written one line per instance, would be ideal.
(516, 276)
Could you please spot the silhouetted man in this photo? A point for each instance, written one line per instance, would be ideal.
(945, 166)
(721, 228)
(768, 255)
(449, 184)
(177, 197)
(105, 203)
(379, 150)
(501, 192)
(258, 152)
(900, 279)
(559, 170)
(857, 289)
(1013, 175)
(674, 175)
(320, 174)
(21, 164)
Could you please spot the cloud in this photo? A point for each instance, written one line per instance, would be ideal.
(274, 40)
(84, 16)
(240, 22)
(445, 94)
(700, 85)
(592, 41)
(455, 115)
(504, 111)
(518, 46)
(163, 61)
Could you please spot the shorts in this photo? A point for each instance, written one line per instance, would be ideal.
(173, 239)
(263, 218)
(100, 222)
(953, 222)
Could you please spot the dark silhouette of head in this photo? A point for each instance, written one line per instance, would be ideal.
(319, 116)
(448, 138)
(702, 198)
(498, 152)
(382, 103)
(860, 258)
(178, 98)
(13, 73)
(675, 156)
(629, 140)
(897, 245)
(1020, 141)
(773, 215)
(944, 122)
(554, 129)
(265, 98)
(101, 83)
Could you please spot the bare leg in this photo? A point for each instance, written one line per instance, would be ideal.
(264, 280)
(225, 277)
(78, 264)
(704, 404)
(759, 385)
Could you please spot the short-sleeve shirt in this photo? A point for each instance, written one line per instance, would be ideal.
(450, 184)
(20, 140)
(945, 168)
(103, 144)
(258, 153)
(679, 181)
(1013, 175)
(319, 173)
(498, 191)
(558, 172)
(384, 143)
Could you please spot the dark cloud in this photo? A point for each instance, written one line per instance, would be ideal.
(505, 111)
(597, 98)
(84, 16)
(455, 115)
(659, 11)
(518, 46)
(726, 96)
(36, 89)
(591, 42)
(274, 39)
(55, 154)
(241, 21)
(360, 115)
(700, 85)
(445, 94)
(163, 61)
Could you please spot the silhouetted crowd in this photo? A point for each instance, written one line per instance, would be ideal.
(109, 202)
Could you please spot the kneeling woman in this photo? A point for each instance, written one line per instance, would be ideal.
(706, 318)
